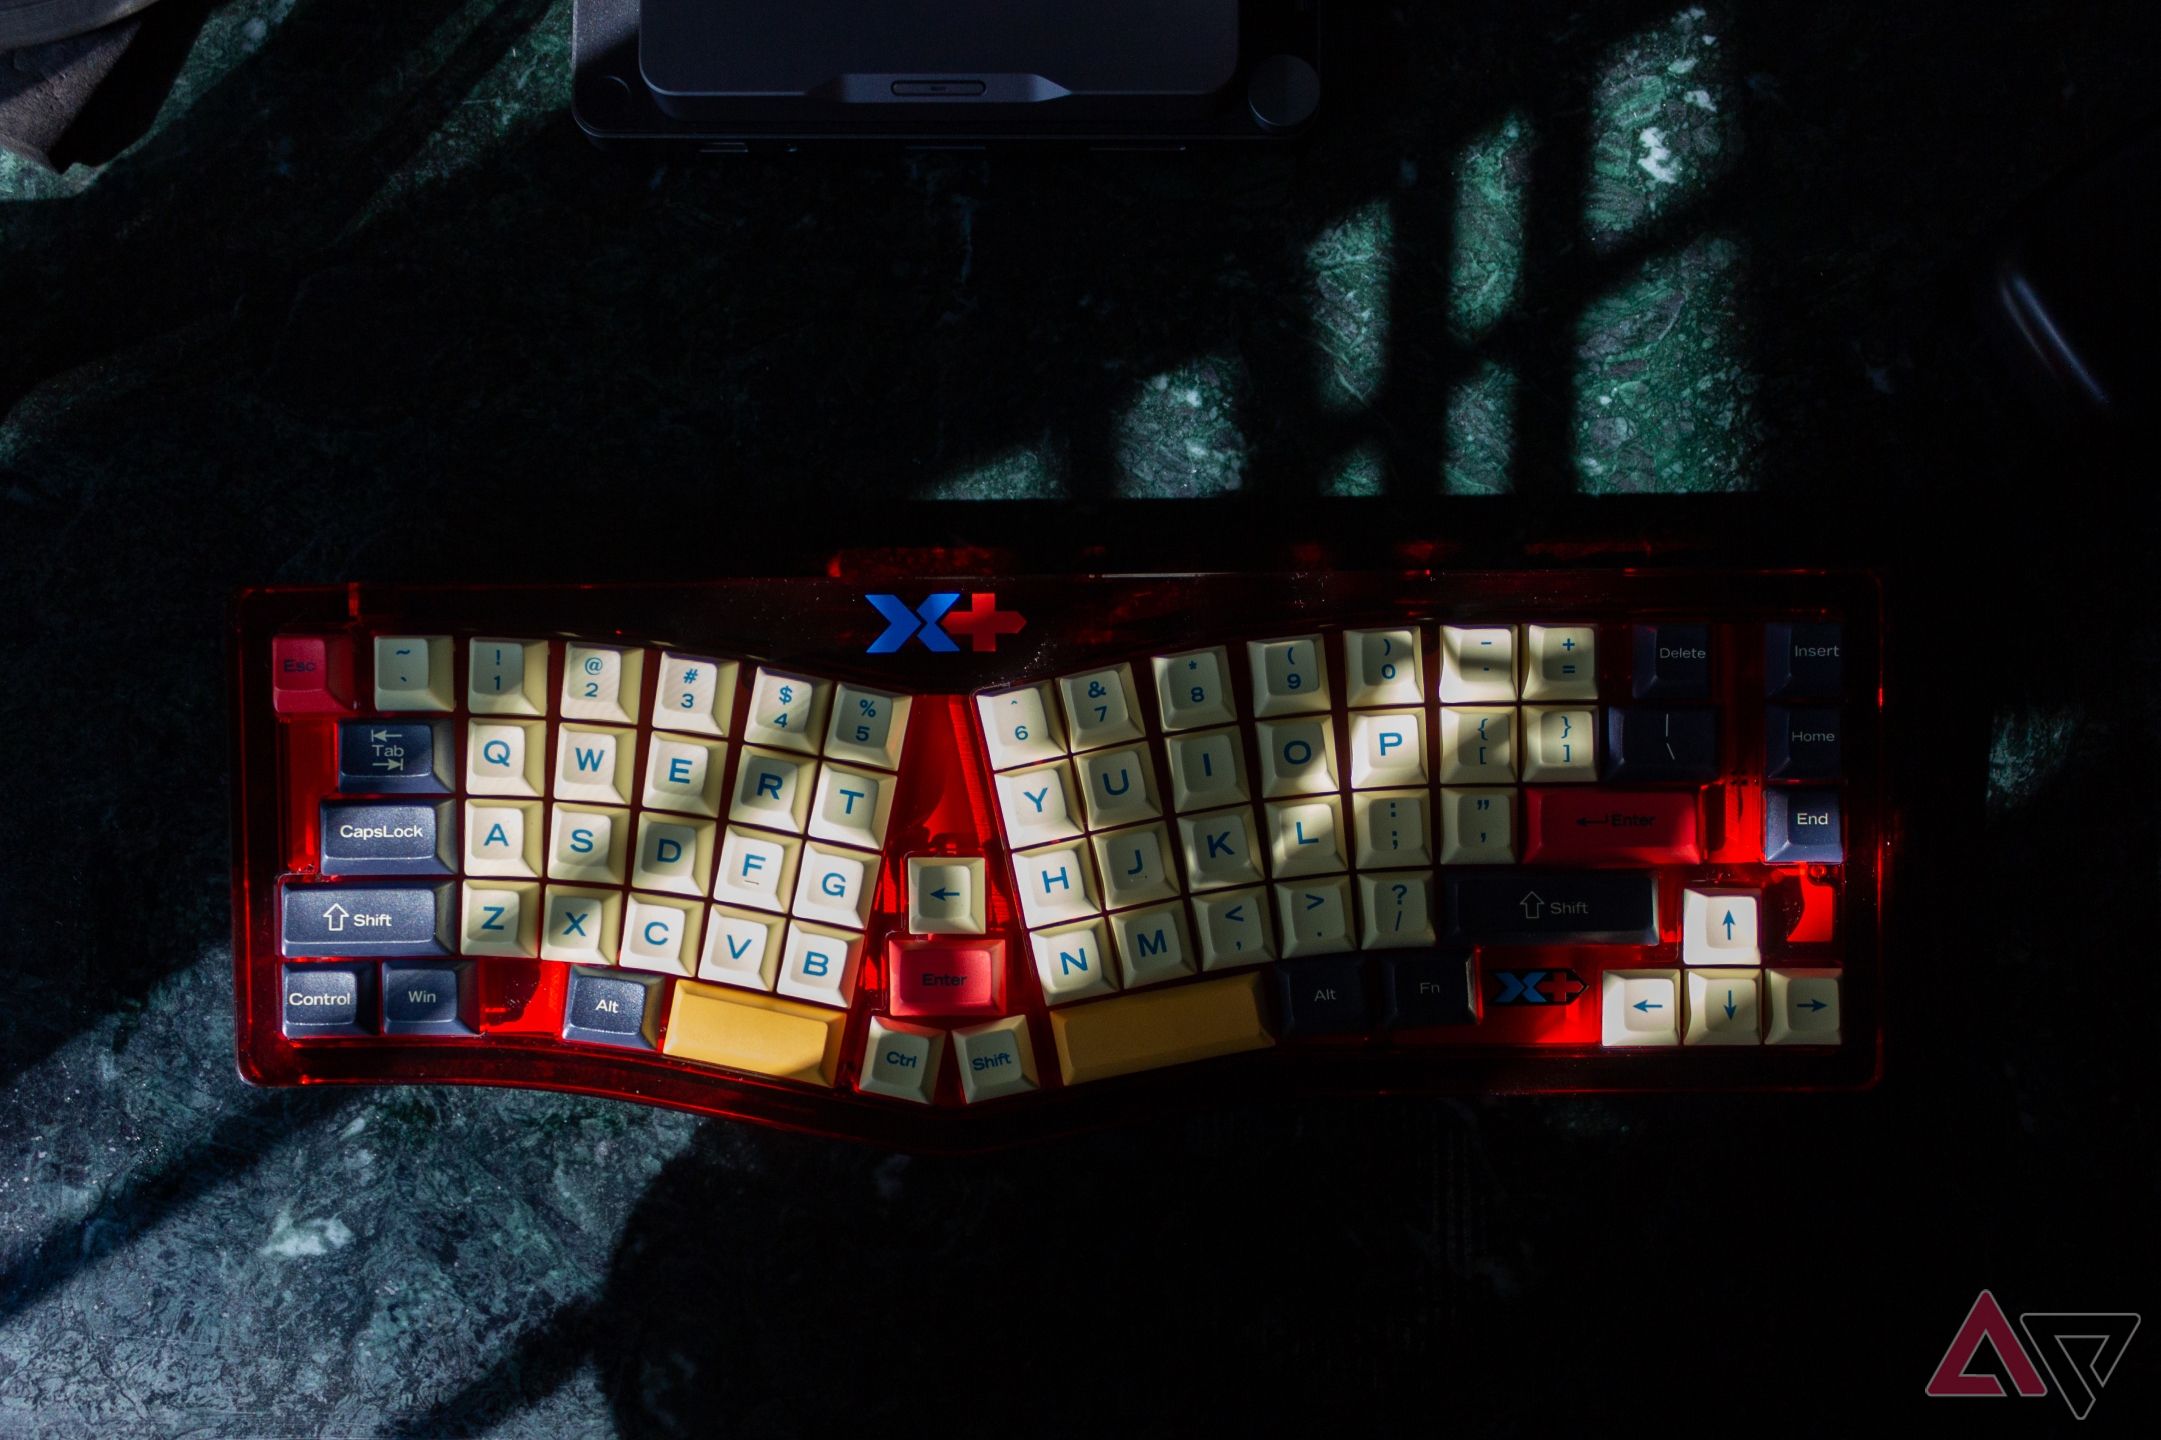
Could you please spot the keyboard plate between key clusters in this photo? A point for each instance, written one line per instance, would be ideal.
(945, 805)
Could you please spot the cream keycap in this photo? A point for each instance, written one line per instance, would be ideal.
(1305, 837)
(603, 683)
(818, 963)
(661, 934)
(1135, 865)
(1073, 962)
(1100, 708)
(588, 843)
(1392, 828)
(945, 895)
(1208, 769)
(1388, 747)
(1314, 917)
(1802, 1006)
(742, 948)
(503, 838)
(996, 1059)
(787, 712)
(1560, 662)
(1021, 727)
(593, 764)
(1152, 944)
(505, 757)
(579, 925)
(1193, 688)
(1056, 883)
(1298, 757)
(1290, 676)
(695, 694)
(684, 775)
(1153, 1028)
(1560, 744)
(412, 672)
(1722, 1008)
(869, 727)
(901, 1061)
(1640, 1007)
(757, 868)
(506, 677)
(1118, 787)
(1220, 848)
(757, 1034)
(1234, 928)
(1478, 663)
(1478, 826)
(1036, 804)
(1383, 667)
(500, 918)
(835, 885)
(1478, 745)
(772, 789)
(851, 806)
(1397, 907)
(1718, 926)
(673, 854)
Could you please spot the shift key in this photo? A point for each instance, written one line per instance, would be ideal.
(1554, 907)
(365, 920)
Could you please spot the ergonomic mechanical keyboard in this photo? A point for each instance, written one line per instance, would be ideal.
(944, 863)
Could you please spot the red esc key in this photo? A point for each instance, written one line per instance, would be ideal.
(311, 674)
(1589, 826)
(945, 977)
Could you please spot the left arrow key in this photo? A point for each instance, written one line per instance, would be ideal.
(365, 920)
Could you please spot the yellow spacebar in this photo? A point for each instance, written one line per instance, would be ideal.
(1160, 1027)
(743, 1030)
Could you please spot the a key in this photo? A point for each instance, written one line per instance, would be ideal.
(1478, 664)
(580, 926)
(593, 764)
(1290, 677)
(1152, 944)
(1073, 962)
(996, 1059)
(1298, 757)
(365, 920)
(900, 1060)
(772, 789)
(1478, 826)
(1804, 662)
(1382, 667)
(787, 712)
(673, 854)
(1323, 996)
(612, 1007)
(742, 947)
(394, 757)
(1579, 825)
(1801, 827)
(588, 843)
(1314, 916)
(683, 775)
(502, 838)
(412, 672)
(945, 977)
(1036, 804)
(1056, 883)
(602, 683)
(1118, 787)
(388, 837)
(1392, 827)
(869, 727)
(1803, 1007)
(1208, 769)
(1672, 662)
(819, 964)
(1219, 848)
(1420, 988)
(851, 806)
(1553, 907)
(311, 674)
(757, 868)
(1560, 744)
(321, 1001)
(1397, 906)
(506, 677)
(1152, 1028)
(695, 695)
(1021, 726)
(1652, 743)
(835, 885)
(1560, 662)
(1719, 926)
(661, 934)
(758, 1034)
(1234, 928)
(431, 997)
(1478, 745)
(1136, 865)
(1193, 689)
(500, 918)
(1305, 837)
(1640, 1007)
(1100, 708)
(1722, 1008)
(506, 757)
(1388, 747)
(1801, 742)
(945, 894)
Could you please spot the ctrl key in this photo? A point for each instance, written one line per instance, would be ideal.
(613, 1007)
(321, 1001)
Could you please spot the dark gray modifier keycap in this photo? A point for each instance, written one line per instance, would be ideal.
(324, 1000)
(394, 757)
(422, 997)
(357, 920)
(1802, 827)
(1801, 742)
(1672, 662)
(1661, 742)
(1325, 995)
(1805, 662)
(388, 837)
(613, 1007)
(1426, 987)
(1544, 907)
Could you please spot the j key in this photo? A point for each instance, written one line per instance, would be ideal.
(424, 998)
(394, 757)
(1322, 996)
(1426, 987)
(388, 837)
(1804, 662)
(1672, 662)
(1801, 743)
(356, 920)
(1577, 825)
(322, 1000)
(1652, 742)
(613, 1007)
(1801, 827)
(1541, 907)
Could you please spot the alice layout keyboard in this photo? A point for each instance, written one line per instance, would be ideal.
(882, 865)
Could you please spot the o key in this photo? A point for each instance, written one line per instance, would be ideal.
(945, 977)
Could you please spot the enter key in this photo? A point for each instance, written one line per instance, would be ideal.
(1577, 825)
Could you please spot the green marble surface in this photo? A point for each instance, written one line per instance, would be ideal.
(364, 302)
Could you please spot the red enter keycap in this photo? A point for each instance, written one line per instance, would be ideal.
(311, 674)
(945, 977)
(1588, 826)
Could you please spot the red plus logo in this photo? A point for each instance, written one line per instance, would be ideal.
(983, 622)
(2079, 1352)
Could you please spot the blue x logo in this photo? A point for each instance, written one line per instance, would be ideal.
(902, 622)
